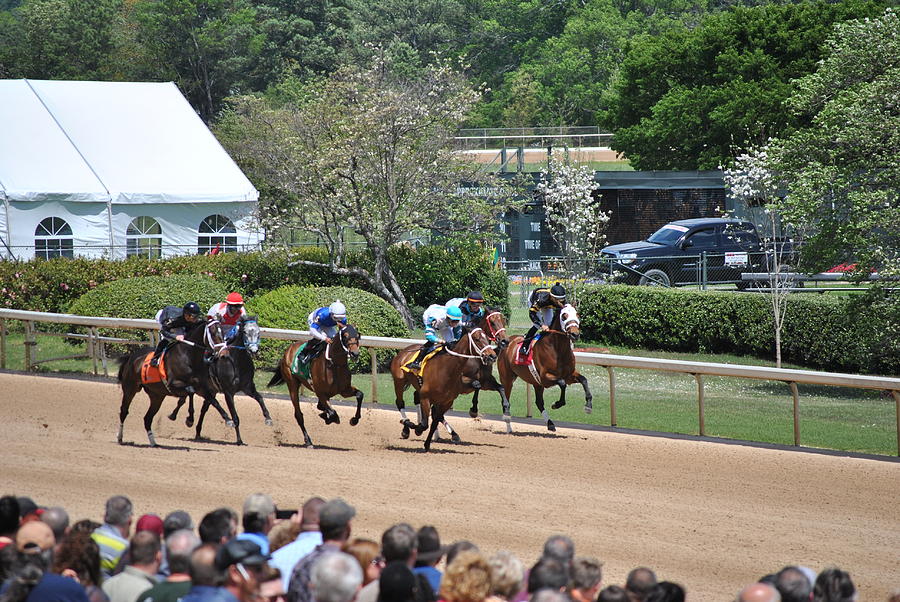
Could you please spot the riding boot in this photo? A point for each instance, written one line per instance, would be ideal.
(154, 361)
(526, 342)
(425, 350)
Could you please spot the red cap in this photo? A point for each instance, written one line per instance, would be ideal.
(234, 299)
(150, 522)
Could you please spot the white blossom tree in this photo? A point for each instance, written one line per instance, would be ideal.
(574, 217)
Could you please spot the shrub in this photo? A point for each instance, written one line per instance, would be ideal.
(289, 306)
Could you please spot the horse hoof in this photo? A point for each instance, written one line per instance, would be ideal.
(172, 416)
(473, 413)
(354, 421)
(229, 424)
(588, 409)
(239, 442)
(558, 405)
(455, 438)
(269, 422)
(551, 427)
(189, 422)
(419, 431)
(405, 433)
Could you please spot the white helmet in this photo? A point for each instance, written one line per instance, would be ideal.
(338, 310)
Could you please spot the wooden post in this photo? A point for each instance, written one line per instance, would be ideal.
(374, 357)
(612, 396)
(700, 404)
(527, 400)
(896, 395)
(29, 344)
(796, 395)
(103, 361)
(92, 347)
(2, 343)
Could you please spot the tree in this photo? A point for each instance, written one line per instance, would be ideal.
(694, 98)
(841, 172)
(365, 152)
(574, 217)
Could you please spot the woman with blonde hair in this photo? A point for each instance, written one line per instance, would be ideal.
(467, 579)
(368, 555)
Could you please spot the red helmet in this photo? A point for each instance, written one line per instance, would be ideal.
(234, 299)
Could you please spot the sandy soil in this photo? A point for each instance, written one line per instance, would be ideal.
(711, 516)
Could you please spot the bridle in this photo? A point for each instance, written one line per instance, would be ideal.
(493, 334)
(217, 348)
(479, 353)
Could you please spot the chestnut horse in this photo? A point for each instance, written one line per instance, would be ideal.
(553, 363)
(329, 376)
(185, 370)
(441, 380)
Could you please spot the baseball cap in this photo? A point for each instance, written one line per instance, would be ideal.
(259, 503)
(35, 537)
(241, 551)
(150, 522)
(179, 519)
(335, 513)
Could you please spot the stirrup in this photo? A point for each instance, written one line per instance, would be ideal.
(414, 365)
(154, 362)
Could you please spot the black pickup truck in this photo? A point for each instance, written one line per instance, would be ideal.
(691, 251)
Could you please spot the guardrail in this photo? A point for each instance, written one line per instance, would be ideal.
(96, 351)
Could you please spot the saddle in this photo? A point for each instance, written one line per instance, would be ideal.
(524, 360)
(306, 353)
(153, 374)
(425, 359)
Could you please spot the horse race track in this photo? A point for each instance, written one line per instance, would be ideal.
(711, 516)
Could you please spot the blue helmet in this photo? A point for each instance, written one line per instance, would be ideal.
(454, 313)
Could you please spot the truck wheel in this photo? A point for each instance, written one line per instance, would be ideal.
(655, 278)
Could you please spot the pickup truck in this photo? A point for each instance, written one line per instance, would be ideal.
(691, 251)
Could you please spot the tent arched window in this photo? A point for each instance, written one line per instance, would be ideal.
(144, 237)
(216, 234)
(53, 238)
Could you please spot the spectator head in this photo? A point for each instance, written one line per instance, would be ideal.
(309, 516)
(176, 521)
(666, 591)
(399, 543)
(203, 569)
(639, 582)
(895, 596)
(428, 543)
(271, 586)
(58, 520)
(613, 593)
(548, 573)
(180, 545)
(145, 550)
(9, 515)
(27, 508)
(587, 576)
(368, 555)
(282, 533)
(119, 512)
(834, 585)
(793, 585)
(334, 520)
(217, 526)
(458, 547)
(336, 578)
(150, 522)
(78, 556)
(244, 565)
(759, 592)
(549, 595)
(35, 537)
(259, 513)
(559, 547)
(397, 583)
(467, 579)
(507, 574)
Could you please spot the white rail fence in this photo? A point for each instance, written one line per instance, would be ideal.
(96, 352)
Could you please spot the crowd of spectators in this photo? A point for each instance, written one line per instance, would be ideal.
(312, 555)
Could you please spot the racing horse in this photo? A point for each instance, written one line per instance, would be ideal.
(441, 379)
(186, 374)
(553, 363)
(329, 375)
(231, 372)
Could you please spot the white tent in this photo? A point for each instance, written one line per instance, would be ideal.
(114, 169)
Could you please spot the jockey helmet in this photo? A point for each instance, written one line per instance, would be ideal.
(454, 313)
(234, 299)
(338, 310)
(191, 309)
(475, 297)
(558, 291)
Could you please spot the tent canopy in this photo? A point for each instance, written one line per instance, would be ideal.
(110, 142)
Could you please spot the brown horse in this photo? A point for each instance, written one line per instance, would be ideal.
(329, 376)
(185, 370)
(441, 380)
(553, 363)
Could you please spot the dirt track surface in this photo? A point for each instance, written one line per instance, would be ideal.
(710, 516)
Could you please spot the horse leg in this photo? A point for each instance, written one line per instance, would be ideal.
(473, 411)
(155, 404)
(588, 397)
(294, 391)
(491, 384)
(229, 399)
(562, 394)
(423, 414)
(252, 392)
(128, 393)
(454, 436)
(189, 421)
(328, 413)
(354, 392)
(174, 414)
(203, 409)
(539, 402)
(435, 420)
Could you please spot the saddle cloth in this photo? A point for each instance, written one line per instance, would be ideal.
(153, 374)
(298, 366)
(425, 359)
(519, 359)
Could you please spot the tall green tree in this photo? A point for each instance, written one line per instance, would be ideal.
(693, 98)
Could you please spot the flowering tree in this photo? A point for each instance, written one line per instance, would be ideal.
(574, 217)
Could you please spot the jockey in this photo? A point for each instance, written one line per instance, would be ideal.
(324, 323)
(472, 307)
(545, 304)
(230, 311)
(174, 322)
(439, 320)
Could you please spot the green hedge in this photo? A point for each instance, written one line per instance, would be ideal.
(289, 306)
(855, 334)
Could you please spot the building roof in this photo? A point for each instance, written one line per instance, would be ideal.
(123, 142)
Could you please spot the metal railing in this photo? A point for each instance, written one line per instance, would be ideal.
(96, 346)
(570, 136)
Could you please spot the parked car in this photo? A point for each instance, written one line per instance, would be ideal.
(691, 251)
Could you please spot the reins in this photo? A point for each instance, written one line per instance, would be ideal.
(472, 345)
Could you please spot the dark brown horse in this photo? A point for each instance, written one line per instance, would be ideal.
(329, 376)
(553, 363)
(185, 370)
(441, 379)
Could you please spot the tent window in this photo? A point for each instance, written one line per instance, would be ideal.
(217, 234)
(144, 237)
(53, 238)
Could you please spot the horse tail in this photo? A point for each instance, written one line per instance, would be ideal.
(122, 360)
(277, 379)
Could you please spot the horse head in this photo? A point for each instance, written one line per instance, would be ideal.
(250, 334)
(213, 336)
(569, 322)
(479, 344)
(349, 337)
(494, 324)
